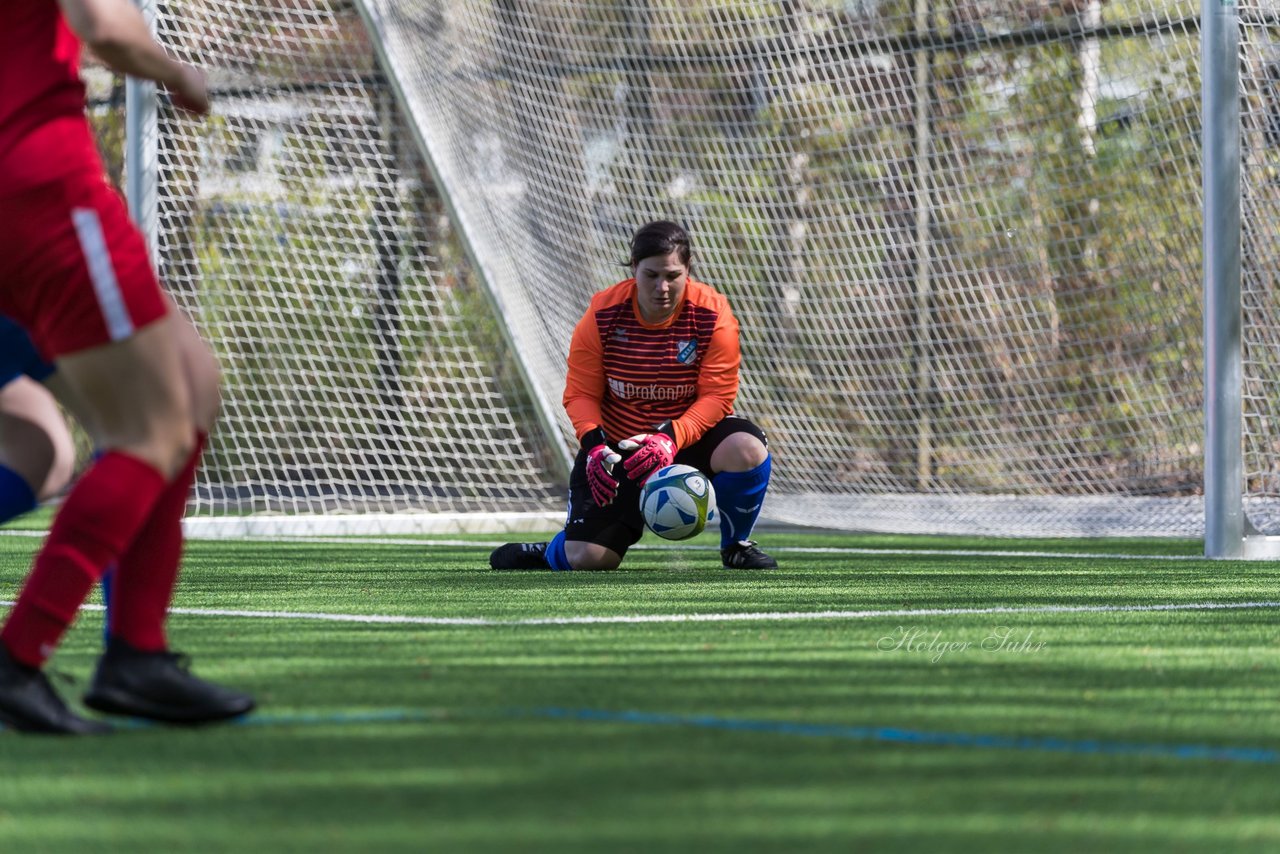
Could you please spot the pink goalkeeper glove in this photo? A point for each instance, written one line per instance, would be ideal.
(650, 452)
(600, 462)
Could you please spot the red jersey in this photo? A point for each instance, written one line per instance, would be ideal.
(44, 134)
(627, 375)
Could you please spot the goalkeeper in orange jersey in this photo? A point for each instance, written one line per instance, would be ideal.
(653, 373)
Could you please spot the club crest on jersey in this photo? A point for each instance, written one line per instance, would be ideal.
(686, 352)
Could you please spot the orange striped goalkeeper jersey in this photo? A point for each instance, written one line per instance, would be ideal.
(627, 375)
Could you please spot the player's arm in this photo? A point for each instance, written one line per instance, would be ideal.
(118, 35)
(583, 392)
(584, 383)
(717, 383)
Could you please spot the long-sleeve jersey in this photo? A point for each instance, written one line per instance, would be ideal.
(627, 376)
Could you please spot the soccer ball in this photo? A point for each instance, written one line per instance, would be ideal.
(677, 502)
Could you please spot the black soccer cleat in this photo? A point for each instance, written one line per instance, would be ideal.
(28, 703)
(744, 554)
(519, 556)
(159, 686)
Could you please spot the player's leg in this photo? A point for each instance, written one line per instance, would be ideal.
(736, 454)
(562, 554)
(200, 367)
(143, 582)
(138, 390)
(156, 553)
(541, 555)
(594, 538)
(63, 394)
(136, 395)
(37, 454)
(90, 297)
(138, 675)
(589, 556)
(29, 405)
(19, 480)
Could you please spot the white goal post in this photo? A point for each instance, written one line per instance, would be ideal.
(1240, 73)
(959, 238)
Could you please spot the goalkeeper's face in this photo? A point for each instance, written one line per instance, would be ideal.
(660, 283)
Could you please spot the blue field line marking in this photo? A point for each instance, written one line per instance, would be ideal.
(887, 735)
(895, 735)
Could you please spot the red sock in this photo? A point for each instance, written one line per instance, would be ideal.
(99, 518)
(143, 582)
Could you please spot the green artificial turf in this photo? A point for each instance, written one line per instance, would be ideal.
(891, 732)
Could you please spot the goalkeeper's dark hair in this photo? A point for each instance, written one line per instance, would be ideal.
(661, 238)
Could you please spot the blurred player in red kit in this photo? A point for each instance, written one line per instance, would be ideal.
(75, 274)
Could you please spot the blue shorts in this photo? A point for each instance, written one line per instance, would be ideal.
(18, 355)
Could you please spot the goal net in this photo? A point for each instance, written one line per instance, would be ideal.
(962, 240)
(367, 385)
(1260, 245)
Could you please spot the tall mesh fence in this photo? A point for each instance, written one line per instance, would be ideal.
(962, 240)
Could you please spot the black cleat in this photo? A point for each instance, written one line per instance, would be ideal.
(519, 556)
(744, 554)
(28, 703)
(159, 686)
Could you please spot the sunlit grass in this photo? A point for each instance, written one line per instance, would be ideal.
(432, 737)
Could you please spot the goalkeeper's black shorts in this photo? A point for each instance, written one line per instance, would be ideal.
(619, 525)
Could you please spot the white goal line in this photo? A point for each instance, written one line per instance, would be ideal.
(659, 547)
(734, 617)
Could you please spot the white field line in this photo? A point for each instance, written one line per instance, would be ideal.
(834, 550)
(758, 616)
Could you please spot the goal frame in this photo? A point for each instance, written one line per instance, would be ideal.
(1228, 532)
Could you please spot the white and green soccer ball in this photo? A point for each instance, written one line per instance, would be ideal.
(677, 502)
